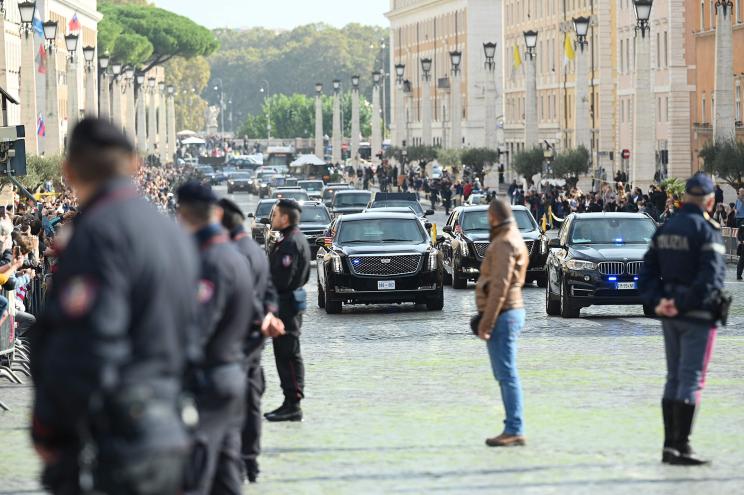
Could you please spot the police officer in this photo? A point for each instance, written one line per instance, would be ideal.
(290, 270)
(110, 349)
(265, 324)
(682, 278)
(224, 320)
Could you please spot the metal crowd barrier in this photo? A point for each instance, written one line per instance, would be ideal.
(729, 240)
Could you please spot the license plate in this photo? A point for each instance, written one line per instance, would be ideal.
(626, 285)
(386, 285)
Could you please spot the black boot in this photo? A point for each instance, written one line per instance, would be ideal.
(290, 411)
(684, 415)
(669, 452)
(251, 470)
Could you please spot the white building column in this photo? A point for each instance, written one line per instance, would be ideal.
(376, 140)
(29, 117)
(116, 112)
(426, 102)
(171, 120)
(51, 143)
(104, 95)
(91, 107)
(456, 105)
(489, 125)
(531, 130)
(581, 100)
(724, 119)
(130, 128)
(400, 106)
(141, 124)
(73, 81)
(162, 125)
(643, 154)
(152, 120)
(355, 130)
(319, 121)
(337, 137)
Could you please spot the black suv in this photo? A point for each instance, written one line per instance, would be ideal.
(466, 237)
(596, 260)
(400, 200)
(378, 258)
(350, 201)
(239, 181)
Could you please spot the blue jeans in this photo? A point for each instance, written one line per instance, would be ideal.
(502, 349)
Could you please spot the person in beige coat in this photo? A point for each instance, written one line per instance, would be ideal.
(501, 308)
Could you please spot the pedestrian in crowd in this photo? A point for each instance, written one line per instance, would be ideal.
(688, 301)
(669, 211)
(446, 192)
(121, 308)
(225, 315)
(719, 195)
(740, 253)
(290, 270)
(739, 206)
(731, 217)
(265, 324)
(502, 315)
(720, 215)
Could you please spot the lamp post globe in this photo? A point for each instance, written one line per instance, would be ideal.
(426, 67)
(140, 79)
(456, 60)
(643, 14)
(116, 68)
(71, 42)
(171, 89)
(27, 11)
(161, 86)
(89, 53)
(355, 82)
(376, 76)
(318, 88)
(103, 61)
(490, 50)
(581, 26)
(50, 30)
(336, 85)
(400, 70)
(151, 83)
(530, 40)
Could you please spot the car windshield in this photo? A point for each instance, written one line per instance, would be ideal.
(328, 193)
(612, 231)
(265, 176)
(524, 220)
(296, 195)
(264, 209)
(400, 204)
(351, 199)
(206, 169)
(311, 186)
(315, 214)
(474, 221)
(240, 176)
(382, 230)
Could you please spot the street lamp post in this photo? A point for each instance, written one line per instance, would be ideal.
(644, 126)
(355, 130)
(456, 105)
(116, 68)
(162, 125)
(130, 117)
(141, 123)
(267, 99)
(221, 89)
(171, 92)
(489, 50)
(531, 133)
(426, 102)
(581, 99)
(376, 142)
(152, 118)
(89, 55)
(400, 110)
(73, 95)
(29, 117)
(319, 120)
(724, 119)
(337, 136)
(104, 102)
(51, 143)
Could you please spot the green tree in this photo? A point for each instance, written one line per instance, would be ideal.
(477, 158)
(189, 77)
(38, 170)
(421, 153)
(726, 160)
(529, 163)
(571, 164)
(450, 158)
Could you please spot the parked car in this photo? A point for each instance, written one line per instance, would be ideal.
(595, 260)
(350, 201)
(466, 237)
(239, 182)
(378, 258)
(314, 188)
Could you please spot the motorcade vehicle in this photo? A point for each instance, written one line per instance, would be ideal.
(392, 200)
(314, 188)
(477, 199)
(261, 222)
(205, 172)
(239, 182)
(308, 171)
(269, 183)
(245, 162)
(466, 237)
(350, 201)
(279, 157)
(378, 258)
(290, 193)
(314, 221)
(595, 260)
(330, 190)
(291, 182)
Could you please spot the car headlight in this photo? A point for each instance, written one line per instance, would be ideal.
(464, 248)
(338, 266)
(580, 265)
(433, 260)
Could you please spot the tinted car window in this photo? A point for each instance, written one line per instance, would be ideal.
(524, 220)
(315, 214)
(264, 209)
(240, 176)
(311, 186)
(612, 231)
(352, 199)
(475, 220)
(296, 195)
(383, 230)
(388, 204)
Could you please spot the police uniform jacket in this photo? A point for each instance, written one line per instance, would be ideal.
(290, 268)
(116, 329)
(685, 262)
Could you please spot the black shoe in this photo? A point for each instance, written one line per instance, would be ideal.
(739, 278)
(684, 415)
(251, 470)
(292, 412)
(278, 410)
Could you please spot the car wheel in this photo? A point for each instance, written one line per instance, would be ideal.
(332, 307)
(321, 297)
(552, 307)
(568, 309)
(649, 311)
(542, 279)
(458, 281)
(437, 302)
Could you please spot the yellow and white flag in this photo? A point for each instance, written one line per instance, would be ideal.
(517, 62)
(568, 50)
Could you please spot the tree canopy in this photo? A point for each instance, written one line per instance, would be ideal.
(529, 163)
(136, 33)
(477, 158)
(189, 77)
(571, 164)
(726, 160)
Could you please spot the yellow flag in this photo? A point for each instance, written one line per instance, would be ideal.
(568, 50)
(517, 57)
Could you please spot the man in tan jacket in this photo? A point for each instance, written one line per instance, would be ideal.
(499, 301)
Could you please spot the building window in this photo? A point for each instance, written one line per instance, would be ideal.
(703, 112)
(666, 48)
(738, 101)
(702, 15)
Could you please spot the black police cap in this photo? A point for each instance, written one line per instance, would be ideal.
(194, 192)
(700, 184)
(289, 203)
(230, 206)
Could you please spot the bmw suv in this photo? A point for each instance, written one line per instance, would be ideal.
(378, 258)
(466, 237)
(596, 260)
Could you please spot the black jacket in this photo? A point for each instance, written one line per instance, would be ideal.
(290, 268)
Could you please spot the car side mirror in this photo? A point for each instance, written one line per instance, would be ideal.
(447, 229)
(264, 221)
(251, 215)
(555, 243)
(428, 212)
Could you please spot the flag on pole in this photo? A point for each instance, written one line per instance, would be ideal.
(41, 59)
(517, 62)
(568, 50)
(37, 25)
(74, 24)
(40, 126)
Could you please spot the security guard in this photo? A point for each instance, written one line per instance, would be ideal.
(290, 270)
(224, 320)
(110, 349)
(265, 324)
(683, 277)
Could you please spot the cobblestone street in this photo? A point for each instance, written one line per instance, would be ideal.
(400, 399)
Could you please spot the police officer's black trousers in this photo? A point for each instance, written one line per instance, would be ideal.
(289, 363)
(740, 267)
(251, 434)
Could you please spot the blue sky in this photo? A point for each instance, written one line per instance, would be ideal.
(284, 14)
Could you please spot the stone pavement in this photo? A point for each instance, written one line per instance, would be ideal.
(400, 399)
